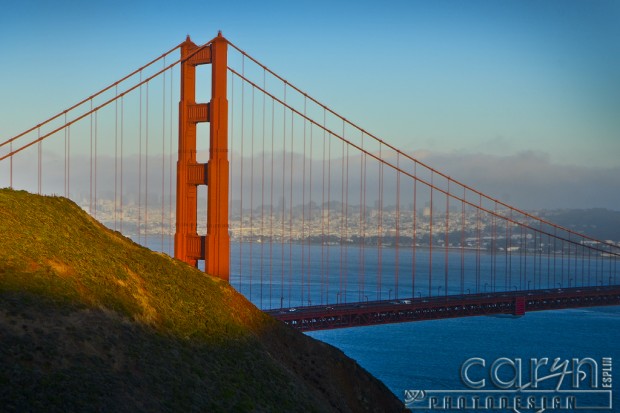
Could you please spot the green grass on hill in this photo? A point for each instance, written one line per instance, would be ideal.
(70, 256)
(90, 321)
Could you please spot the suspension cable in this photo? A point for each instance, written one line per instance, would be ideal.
(434, 172)
(80, 103)
(404, 154)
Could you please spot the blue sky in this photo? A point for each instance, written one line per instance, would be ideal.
(441, 79)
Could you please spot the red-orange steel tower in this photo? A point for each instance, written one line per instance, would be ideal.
(214, 248)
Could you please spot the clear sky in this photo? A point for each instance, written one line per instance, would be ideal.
(465, 80)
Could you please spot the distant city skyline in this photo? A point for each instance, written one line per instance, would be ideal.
(518, 98)
(527, 181)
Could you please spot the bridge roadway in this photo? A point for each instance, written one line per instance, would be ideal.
(511, 303)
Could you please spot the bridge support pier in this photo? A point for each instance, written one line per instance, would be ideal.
(214, 248)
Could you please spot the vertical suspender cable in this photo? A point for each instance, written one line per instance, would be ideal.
(328, 208)
(430, 241)
(290, 216)
(115, 154)
(463, 242)
(303, 211)
(525, 271)
(549, 285)
(271, 187)
(590, 267)
(508, 252)
(140, 165)
(346, 224)
(562, 263)
(310, 217)
(414, 235)
(250, 266)
(522, 258)
(568, 260)
(122, 157)
(577, 252)
(231, 151)
(596, 271)
(163, 157)
(554, 257)
(478, 244)
(493, 250)
(242, 162)
(380, 228)
(282, 199)
(170, 169)
(397, 224)
(67, 129)
(40, 162)
(146, 166)
(362, 194)
(323, 169)
(69, 161)
(65, 154)
(262, 187)
(341, 281)
(536, 258)
(447, 240)
(90, 199)
(95, 168)
(11, 165)
(540, 263)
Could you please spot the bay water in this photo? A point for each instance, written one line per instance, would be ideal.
(429, 355)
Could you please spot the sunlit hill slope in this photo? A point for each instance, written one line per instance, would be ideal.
(90, 321)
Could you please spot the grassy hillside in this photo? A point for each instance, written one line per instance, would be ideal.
(90, 321)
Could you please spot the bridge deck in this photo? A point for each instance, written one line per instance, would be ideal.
(417, 309)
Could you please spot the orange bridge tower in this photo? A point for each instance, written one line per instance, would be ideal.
(214, 248)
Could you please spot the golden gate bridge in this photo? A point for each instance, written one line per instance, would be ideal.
(316, 220)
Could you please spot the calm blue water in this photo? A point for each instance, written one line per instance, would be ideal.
(428, 355)
(292, 275)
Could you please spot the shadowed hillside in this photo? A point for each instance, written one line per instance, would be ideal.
(90, 321)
